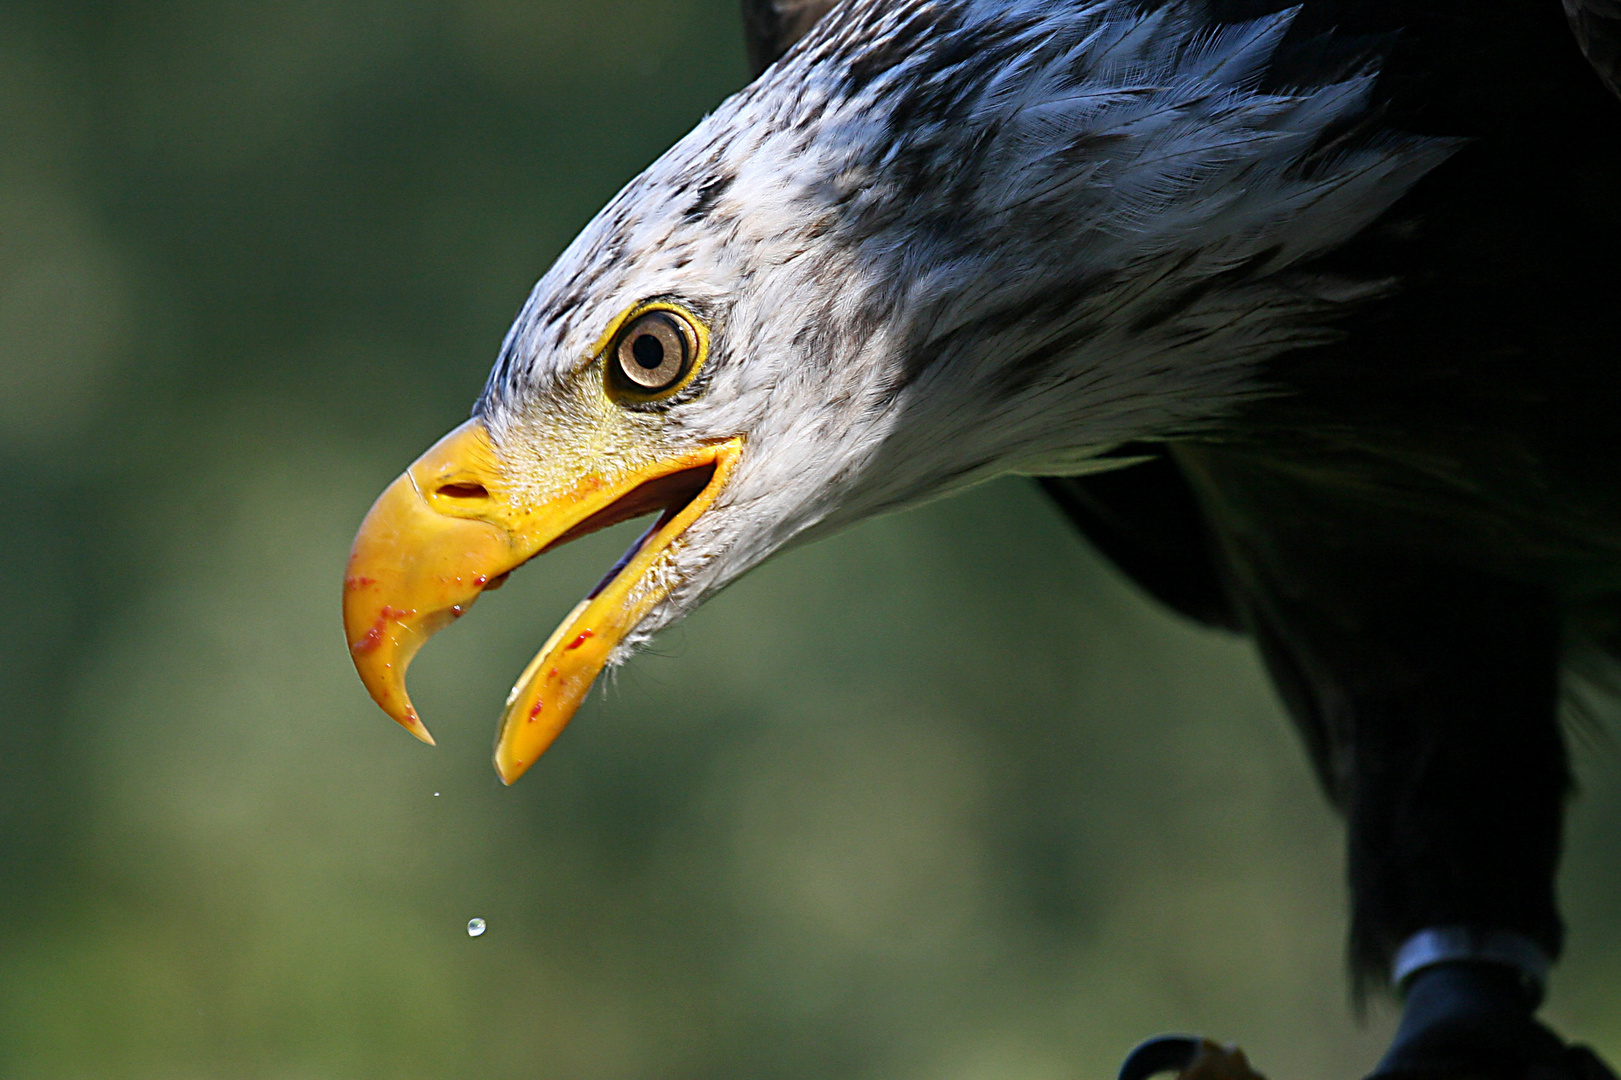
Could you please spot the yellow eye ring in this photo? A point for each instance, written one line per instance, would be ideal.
(653, 351)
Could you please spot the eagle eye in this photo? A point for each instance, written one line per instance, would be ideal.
(654, 352)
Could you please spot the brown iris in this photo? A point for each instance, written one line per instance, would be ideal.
(654, 352)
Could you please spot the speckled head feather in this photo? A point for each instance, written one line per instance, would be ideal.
(942, 240)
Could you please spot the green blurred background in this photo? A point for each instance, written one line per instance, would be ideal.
(941, 798)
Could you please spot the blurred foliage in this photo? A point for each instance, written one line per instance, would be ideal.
(940, 798)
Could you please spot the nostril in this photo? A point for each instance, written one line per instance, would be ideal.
(463, 491)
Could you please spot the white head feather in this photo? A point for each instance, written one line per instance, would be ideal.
(947, 239)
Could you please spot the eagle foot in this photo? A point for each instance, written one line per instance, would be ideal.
(1190, 1058)
(1473, 1021)
(1532, 1052)
(1460, 1021)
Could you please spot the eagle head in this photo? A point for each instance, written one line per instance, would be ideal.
(939, 241)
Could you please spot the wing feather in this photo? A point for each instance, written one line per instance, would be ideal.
(1597, 25)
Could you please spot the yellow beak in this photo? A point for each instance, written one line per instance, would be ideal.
(454, 525)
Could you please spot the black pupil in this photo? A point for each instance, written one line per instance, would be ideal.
(648, 351)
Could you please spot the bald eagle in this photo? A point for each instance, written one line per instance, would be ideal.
(1308, 316)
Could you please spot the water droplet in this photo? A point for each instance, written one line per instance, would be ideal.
(475, 927)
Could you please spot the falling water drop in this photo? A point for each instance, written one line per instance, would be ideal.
(475, 927)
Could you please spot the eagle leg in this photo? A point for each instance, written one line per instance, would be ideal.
(1426, 683)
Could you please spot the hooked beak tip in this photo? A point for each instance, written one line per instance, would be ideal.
(415, 726)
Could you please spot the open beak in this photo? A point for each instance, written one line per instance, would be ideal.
(453, 525)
